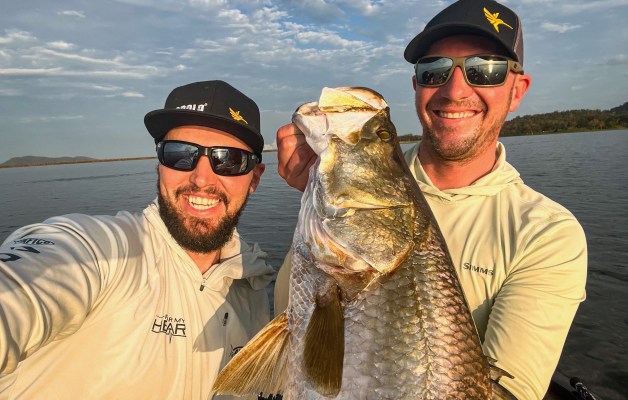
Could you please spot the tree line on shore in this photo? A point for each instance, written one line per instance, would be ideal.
(559, 121)
(536, 124)
(568, 121)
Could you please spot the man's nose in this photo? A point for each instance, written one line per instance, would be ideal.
(203, 175)
(457, 87)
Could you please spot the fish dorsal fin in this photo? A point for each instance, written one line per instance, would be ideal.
(260, 367)
(324, 349)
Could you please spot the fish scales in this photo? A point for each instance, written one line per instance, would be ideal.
(367, 239)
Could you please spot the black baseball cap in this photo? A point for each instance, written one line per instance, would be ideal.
(471, 17)
(213, 104)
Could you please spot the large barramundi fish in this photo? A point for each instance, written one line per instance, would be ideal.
(375, 308)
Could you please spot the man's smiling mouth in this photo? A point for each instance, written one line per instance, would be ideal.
(202, 203)
(455, 115)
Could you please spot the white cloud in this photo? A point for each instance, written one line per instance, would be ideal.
(43, 61)
(327, 38)
(52, 118)
(620, 59)
(61, 45)
(207, 4)
(573, 7)
(13, 36)
(132, 94)
(136, 73)
(364, 7)
(5, 56)
(29, 71)
(318, 10)
(72, 13)
(560, 28)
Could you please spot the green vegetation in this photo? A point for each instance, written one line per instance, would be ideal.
(558, 121)
(409, 138)
(568, 121)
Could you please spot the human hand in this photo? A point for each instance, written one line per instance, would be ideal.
(295, 156)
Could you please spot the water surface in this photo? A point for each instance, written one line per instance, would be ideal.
(586, 172)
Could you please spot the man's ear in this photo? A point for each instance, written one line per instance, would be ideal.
(257, 175)
(519, 89)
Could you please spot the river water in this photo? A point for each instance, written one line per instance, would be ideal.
(586, 172)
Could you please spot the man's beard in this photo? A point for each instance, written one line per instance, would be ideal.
(197, 234)
(465, 149)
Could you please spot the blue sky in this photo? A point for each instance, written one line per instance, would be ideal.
(78, 76)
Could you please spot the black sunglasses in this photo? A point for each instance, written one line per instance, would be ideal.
(481, 71)
(225, 161)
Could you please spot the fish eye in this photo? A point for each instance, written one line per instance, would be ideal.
(384, 135)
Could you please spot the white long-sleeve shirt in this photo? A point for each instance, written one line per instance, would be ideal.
(522, 262)
(111, 307)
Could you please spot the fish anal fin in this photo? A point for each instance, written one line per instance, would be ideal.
(260, 366)
(323, 353)
(499, 392)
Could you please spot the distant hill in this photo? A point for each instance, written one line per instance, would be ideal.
(30, 161)
(45, 160)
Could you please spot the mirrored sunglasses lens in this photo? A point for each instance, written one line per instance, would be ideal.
(229, 161)
(486, 71)
(433, 71)
(180, 156)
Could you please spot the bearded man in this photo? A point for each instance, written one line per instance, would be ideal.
(149, 305)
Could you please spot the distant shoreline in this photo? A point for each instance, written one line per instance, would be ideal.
(265, 151)
(39, 164)
(74, 162)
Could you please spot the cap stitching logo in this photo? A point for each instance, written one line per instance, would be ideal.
(494, 19)
(193, 107)
(236, 115)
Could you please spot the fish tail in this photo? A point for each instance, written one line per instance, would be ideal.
(260, 367)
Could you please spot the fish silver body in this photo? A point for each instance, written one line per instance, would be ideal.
(375, 307)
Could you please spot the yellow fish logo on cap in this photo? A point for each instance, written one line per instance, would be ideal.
(236, 115)
(494, 20)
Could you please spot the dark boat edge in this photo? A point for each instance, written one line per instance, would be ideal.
(563, 387)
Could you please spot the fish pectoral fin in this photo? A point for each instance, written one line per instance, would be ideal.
(260, 366)
(324, 349)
